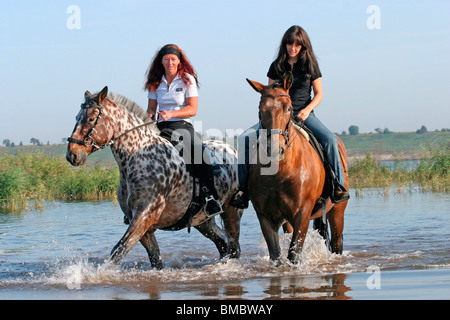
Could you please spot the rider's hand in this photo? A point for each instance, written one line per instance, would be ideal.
(303, 114)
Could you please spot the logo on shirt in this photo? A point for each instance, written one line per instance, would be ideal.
(179, 89)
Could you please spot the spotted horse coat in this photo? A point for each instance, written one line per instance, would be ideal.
(155, 188)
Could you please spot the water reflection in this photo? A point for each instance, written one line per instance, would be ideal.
(308, 287)
(317, 287)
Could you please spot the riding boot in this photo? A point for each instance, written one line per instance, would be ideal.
(340, 194)
(212, 206)
(240, 198)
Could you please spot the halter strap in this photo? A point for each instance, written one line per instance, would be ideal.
(284, 133)
(88, 141)
(268, 95)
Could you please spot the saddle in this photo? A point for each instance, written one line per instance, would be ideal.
(203, 193)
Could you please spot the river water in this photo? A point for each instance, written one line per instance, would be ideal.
(396, 246)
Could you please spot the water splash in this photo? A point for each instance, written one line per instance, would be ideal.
(79, 271)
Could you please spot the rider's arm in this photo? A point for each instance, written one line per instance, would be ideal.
(151, 109)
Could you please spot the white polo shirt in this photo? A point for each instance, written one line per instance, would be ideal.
(173, 97)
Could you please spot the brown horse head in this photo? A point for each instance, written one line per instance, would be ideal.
(90, 132)
(275, 112)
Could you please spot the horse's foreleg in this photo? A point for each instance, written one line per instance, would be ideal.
(144, 216)
(270, 233)
(232, 223)
(210, 230)
(300, 225)
(336, 220)
(150, 244)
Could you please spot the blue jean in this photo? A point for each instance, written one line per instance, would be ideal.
(328, 142)
(326, 138)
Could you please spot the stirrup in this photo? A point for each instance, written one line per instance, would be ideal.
(216, 204)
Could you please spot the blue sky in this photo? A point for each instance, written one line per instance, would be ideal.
(395, 77)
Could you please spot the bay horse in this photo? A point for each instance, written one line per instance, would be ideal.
(155, 188)
(289, 194)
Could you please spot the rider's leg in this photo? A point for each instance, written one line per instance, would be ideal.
(247, 144)
(329, 143)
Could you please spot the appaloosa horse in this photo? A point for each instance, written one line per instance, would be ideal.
(289, 194)
(155, 188)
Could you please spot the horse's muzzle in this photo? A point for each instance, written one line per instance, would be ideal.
(76, 158)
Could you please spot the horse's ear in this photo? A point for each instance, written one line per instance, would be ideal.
(256, 85)
(288, 80)
(87, 94)
(103, 94)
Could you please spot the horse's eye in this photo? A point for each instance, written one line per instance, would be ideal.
(289, 109)
(91, 119)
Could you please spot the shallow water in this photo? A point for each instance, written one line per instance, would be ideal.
(395, 247)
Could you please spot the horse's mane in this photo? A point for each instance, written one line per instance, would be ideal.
(134, 108)
(131, 106)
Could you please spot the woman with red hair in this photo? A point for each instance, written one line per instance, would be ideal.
(169, 75)
(173, 99)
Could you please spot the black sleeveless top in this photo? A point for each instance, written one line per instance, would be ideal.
(300, 91)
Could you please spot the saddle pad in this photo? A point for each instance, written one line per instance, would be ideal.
(301, 130)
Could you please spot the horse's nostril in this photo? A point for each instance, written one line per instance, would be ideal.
(76, 159)
(70, 157)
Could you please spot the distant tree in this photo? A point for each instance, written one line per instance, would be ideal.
(378, 130)
(353, 130)
(423, 129)
(344, 133)
(35, 141)
(387, 131)
(21, 144)
(7, 142)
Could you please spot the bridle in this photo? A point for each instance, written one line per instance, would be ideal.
(88, 141)
(284, 133)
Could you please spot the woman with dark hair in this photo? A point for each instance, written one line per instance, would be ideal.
(173, 99)
(296, 56)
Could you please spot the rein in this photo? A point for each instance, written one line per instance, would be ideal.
(88, 141)
(284, 133)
